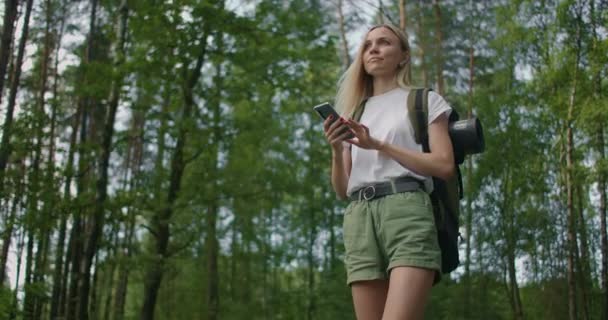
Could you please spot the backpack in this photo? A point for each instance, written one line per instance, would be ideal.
(446, 195)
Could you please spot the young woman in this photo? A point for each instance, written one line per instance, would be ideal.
(391, 250)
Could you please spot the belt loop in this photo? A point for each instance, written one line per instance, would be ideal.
(393, 186)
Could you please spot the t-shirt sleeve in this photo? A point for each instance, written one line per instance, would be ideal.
(437, 106)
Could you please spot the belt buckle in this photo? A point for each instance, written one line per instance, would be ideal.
(368, 196)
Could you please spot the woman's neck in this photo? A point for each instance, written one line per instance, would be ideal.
(383, 85)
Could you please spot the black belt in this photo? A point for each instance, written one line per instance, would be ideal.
(378, 190)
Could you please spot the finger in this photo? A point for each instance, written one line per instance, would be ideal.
(340, 136)
(335, 132)
(337, 125)
(358, 130)
(354, 122)
(346, 134)
(327, 123)
(355, 125)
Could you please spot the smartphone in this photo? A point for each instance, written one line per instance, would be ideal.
(325, 110)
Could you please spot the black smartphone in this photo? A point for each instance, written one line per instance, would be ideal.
(325, 110)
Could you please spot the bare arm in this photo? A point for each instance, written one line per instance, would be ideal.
(340, 156)
(340, 171)
(439, 162)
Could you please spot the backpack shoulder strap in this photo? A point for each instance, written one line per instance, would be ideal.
(418, 108)
(359, 111)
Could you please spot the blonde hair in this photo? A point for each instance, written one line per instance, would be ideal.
(355, 85)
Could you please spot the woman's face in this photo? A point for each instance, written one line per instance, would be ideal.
(382, 53)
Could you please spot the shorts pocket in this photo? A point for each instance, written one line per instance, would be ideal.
(351, 221)
(418, 199)
(354, 227)
(410, 210)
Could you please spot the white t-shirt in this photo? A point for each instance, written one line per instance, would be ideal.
(386, 116)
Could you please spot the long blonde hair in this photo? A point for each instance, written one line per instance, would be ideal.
(355, 85)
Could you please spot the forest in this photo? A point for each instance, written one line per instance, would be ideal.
(160, 159)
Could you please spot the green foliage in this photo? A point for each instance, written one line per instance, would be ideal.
(6, 305)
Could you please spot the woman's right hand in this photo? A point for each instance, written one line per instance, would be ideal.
(335, 133)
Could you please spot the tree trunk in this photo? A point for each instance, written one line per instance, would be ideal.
(98, 219)
(571, 230)
(8, 30)
(125, 248)
(602, 214)
(20, 244)
(346, 60)
(105, 295)
(7, 235)
(72, 271)
(34, 223)
(421, 44)
(403, 26)
(47, 197)
(120, 295)
(40, 268)
(93, 309)
(5, 143)
(468, 208)
(28, 300)
(311, 230)
(518, 312)
(601, 173)
(402, 16)
(310, 281)
(510, 229)
(439, 34)
(583, 258)
(380, 13)
(61, 272)
(58, 283)
(572, 306)
(160, 222)
(235, 258)
(211, 241)
(148, 311)
(332, 241)
(212, 270)
(77, 304)
(9, 227)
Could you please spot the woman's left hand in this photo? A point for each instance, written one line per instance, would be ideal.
(362, 138)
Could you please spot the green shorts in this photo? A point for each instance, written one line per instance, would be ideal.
(393, 231)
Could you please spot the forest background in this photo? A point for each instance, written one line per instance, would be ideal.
(161, 160)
